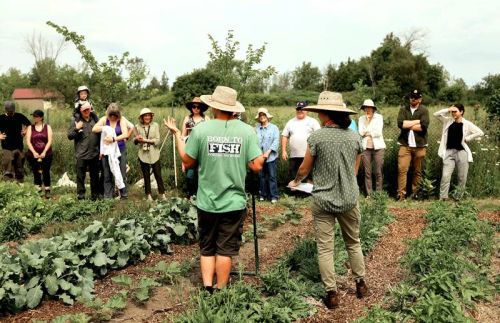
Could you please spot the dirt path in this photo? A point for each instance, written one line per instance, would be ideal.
(382, 269)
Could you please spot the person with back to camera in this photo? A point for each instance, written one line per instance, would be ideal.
(333, 155)
(221, 149)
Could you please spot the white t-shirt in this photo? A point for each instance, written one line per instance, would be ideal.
(411, 134)
(297, 131)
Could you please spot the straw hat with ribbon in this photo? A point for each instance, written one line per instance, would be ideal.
(197, 101)
(263, 110)
(329, 101)
(145, 111)
(223, 98)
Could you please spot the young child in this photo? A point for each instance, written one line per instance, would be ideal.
(82, 96)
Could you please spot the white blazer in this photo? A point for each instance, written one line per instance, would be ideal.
(374, 129)
(471, 131)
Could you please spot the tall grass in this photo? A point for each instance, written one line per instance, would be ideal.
(484, 172)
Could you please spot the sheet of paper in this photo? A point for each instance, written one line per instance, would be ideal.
(303, 187)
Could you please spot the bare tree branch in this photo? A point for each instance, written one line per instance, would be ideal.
(42, 49)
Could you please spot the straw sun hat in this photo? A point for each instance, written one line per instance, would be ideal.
(223, 98)
(329, 101)
(263, 110)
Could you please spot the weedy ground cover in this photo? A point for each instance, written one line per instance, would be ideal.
(281, 296)
(447, 269)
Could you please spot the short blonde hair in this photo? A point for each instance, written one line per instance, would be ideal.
(114, 110)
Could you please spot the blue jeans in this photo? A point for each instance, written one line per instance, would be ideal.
(268, 183)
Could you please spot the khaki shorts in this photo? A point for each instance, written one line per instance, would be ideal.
(220, 233)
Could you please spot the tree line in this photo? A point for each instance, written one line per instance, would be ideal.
(386, 75)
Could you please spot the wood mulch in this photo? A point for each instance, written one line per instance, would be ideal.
(383, 269)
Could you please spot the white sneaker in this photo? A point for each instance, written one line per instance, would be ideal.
(274, 201)
(261, 199)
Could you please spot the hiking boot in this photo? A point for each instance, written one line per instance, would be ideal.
(361, 288)
(332, 300)
(47, 194)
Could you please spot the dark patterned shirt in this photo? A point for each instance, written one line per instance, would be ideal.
(335, 151)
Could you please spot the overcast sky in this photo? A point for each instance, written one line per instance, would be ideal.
(171, 36)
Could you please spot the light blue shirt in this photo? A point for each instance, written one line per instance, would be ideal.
(353, 126)
(268, 139)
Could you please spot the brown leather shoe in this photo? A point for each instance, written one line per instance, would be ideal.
(361, 288)
(332, 300)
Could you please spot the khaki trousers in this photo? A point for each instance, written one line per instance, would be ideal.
(324, 225)
(13, 164)
(407, 156)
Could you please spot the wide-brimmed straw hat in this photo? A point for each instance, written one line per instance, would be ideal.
(197, 101)
(223, 98)
(368, 104)
(263, 110)
(145, 111)
(329, 101)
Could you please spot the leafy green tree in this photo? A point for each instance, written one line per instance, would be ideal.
(307, 77)
(240, 74)
(455, 92)
(196, 83)
(11, 80)
(281, 82)
(107, 82)
(487, 87)
(164, 82)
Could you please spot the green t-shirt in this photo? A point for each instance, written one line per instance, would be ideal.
(223, 150)
(334, 150)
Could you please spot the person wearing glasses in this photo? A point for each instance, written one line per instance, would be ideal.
(453, 148)
(413, 120)
(197, 115)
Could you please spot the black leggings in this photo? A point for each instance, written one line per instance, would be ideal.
(41, 170)
(146, 173)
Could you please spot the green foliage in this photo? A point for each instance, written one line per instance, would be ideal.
(307, 77)
(447, 267)
(493, 104)
(196, 83)
(168, 273)
(240, 74)
(10, 80)
(65, 266)
(243, 303)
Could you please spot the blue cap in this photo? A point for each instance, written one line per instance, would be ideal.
(301, 105)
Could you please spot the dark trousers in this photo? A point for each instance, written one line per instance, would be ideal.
(146, 173)
(294, 165)
(92, 165)
(268, 187)
(192, 181)
(41, 170)
(13, 164)
(109, 183)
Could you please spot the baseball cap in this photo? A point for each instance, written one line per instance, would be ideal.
(415, 94)
(301, 105)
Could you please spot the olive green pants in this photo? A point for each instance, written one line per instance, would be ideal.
(324, 225)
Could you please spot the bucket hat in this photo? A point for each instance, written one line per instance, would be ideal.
(263, 110)
(368, 103)
(82, 88)
(196, 101)
(223, 98)
(329, 101)
(145, 111)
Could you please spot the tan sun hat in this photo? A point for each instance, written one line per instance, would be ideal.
(223, 98)
(197, 101)
(329, 101)
(263, 110)
(145, 111)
